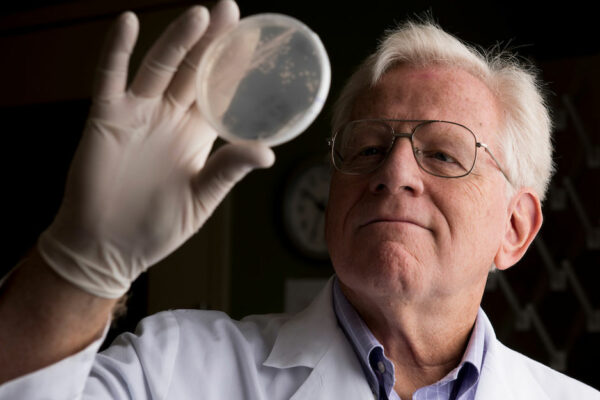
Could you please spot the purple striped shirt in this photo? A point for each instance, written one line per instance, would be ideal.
(460, 383)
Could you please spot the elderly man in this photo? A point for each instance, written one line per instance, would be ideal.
(442, 157)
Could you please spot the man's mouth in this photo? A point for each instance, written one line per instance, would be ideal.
(391, 220)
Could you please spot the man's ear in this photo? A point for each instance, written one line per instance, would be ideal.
(523, 224)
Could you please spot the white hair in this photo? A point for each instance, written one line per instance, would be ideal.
(525, 143)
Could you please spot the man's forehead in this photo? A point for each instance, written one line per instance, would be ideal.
(429, 92)
(440, 80)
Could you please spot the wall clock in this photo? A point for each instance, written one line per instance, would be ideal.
(304, 201)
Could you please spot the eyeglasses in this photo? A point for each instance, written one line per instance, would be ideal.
(441, 148)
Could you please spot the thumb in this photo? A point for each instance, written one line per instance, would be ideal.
(227, 166)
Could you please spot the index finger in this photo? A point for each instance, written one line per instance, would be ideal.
(163, 59)
(223, 17)
(111, 74)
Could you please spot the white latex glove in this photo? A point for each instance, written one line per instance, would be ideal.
(140, 183)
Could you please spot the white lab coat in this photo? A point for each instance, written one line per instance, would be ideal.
(205, 355)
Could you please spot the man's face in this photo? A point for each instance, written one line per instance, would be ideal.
(401, 233)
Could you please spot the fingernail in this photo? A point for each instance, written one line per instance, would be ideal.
(128, 17)
(198, 12)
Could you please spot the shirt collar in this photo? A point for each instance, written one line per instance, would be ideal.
(367, 347)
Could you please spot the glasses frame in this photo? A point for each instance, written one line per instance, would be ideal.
(409, 136)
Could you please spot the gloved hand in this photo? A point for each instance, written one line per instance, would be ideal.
(140, 183)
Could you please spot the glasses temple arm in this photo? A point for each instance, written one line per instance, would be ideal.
(487, 150)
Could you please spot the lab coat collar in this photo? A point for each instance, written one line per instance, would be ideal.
(313, 339)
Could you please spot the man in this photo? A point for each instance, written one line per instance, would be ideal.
(441, 162)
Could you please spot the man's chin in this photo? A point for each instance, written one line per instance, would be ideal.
(384, 278)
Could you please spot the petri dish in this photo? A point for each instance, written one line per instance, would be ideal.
(266, 80)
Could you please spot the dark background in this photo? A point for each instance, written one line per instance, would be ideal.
(547, 307)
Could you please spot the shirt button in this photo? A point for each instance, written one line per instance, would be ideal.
(381, 367)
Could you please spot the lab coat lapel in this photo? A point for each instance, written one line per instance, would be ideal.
(493, 383)
(338, 375)
(313, 339)
(504, 376)
(505, 379)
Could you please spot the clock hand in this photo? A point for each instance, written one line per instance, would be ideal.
(316, 224)
(318, 203)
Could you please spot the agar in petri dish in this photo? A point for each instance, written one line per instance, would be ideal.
(266, 80)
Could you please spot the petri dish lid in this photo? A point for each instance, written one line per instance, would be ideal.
(266, 80)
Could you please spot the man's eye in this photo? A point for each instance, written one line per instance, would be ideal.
(439, 156)
(370, 151)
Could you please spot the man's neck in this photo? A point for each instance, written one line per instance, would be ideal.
(424, 341)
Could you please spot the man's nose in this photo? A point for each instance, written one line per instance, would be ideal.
(399, 172)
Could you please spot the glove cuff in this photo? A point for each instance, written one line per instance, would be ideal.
(100, 280)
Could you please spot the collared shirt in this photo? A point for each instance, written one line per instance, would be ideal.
(460, 383)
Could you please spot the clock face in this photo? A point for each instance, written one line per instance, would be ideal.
(304, 209)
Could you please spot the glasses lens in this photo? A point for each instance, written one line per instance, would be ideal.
(444, 149)
(361, 146)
